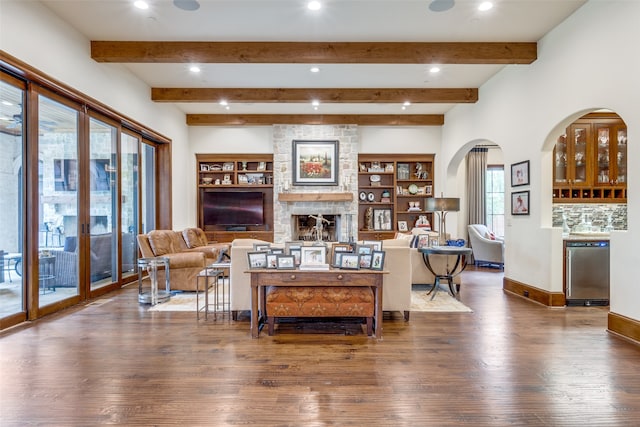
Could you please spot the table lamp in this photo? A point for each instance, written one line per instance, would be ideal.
(442, 205)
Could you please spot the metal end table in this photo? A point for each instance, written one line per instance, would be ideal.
(221, 299)
(461, 254)
(150, 265)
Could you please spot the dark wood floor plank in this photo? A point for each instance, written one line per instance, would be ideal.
(510, 362)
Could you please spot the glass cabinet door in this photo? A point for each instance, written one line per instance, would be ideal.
(560, 163)
(603, 154)
(621, 156)
(579, 160)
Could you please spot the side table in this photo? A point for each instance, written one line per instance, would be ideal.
(221, 298)
(150, 265)
(461, 254)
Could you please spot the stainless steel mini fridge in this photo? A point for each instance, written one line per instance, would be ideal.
(587, 273)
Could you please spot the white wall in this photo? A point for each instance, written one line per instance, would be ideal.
(523, 109)
(33, 34)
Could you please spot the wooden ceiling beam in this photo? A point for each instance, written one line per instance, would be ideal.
(314, 52)
(329, 95)
(314, 119)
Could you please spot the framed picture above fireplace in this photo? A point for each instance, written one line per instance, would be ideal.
(315, 162)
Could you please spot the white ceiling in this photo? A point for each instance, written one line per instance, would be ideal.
(337, 20)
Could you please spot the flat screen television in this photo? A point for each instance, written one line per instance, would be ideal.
(233, 208)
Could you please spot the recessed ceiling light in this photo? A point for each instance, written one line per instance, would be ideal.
(314, 5)
(223, 102)
(141, 4)
(441, 5)
(485, 5)
(194, 69)
(406, 103)
(434, 70)
(404, 108)
(188, 5)
(315, 69)
(315, 102)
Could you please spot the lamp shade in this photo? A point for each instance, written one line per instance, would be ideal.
(442, 204)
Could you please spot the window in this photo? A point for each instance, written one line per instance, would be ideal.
(494, 199)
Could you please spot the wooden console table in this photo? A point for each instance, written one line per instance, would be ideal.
(261, 278)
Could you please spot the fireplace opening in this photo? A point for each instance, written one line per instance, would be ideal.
(311, 227)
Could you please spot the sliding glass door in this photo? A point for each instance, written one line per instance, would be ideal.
(77, 184)
(58, 261)
(129, 204)
(103, 206)
(12, 143)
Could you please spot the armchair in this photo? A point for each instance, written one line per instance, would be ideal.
(485, 250)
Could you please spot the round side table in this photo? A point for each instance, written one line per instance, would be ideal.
(150, 265)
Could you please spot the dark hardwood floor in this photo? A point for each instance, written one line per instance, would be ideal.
(510, 362)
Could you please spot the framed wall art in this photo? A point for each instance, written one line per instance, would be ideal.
(520, 174)
(315, 162)
(520, 203)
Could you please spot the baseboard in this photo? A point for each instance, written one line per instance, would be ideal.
(624, 327)
(546, 298)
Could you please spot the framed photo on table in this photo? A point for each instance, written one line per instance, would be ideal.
(315, 162)
(350, 261)
(285, 262)
(340, 248)
(365, 261)
(259, 247)
(520, 203)
(402, 226)
(272, 260)
(313, 255)
(520, 174)
(257, 259)
(296, 244)
(376, 244)
(377, 260)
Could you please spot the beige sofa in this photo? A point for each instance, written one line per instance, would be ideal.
(188, 252)
(404, 264)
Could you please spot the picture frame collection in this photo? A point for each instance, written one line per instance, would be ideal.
(519, 178)
(344, 255)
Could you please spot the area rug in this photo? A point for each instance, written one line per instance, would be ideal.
(420, 302)
(443, 301)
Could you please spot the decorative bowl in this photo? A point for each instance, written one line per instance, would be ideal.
(207, 180)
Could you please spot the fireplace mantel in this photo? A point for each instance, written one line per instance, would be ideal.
(315, 197)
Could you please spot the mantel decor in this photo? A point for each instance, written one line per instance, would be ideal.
(315, 162)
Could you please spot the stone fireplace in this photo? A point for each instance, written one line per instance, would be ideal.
(344, 212)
